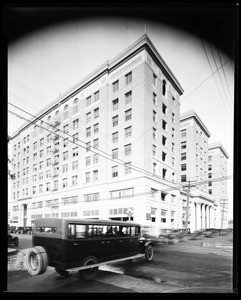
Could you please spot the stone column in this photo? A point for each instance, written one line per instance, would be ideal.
(203, 215)
(198, 215)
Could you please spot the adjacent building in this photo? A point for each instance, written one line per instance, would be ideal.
(107, 148)
(194, 171)
(217, 185)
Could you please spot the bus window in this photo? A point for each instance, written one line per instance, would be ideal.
(124, 231)
(113, 230)
(137, 231)
(80, 231)
(71, 231)
(133, 231)
(46, 229)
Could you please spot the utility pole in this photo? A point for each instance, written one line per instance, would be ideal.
(187, 209)
(223, 202)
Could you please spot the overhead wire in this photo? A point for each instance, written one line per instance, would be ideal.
(135, 168)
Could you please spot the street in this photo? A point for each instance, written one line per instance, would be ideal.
(200, 266)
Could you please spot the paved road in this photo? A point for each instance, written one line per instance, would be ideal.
(192, 266)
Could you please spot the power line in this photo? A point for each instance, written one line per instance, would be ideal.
(119, 161)
(215, 79)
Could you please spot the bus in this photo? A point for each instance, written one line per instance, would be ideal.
(84, 245)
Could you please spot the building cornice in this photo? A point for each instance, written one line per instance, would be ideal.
(191, 114)
(217, 145)
(107, 67)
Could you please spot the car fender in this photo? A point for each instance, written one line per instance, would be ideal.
(147, 243)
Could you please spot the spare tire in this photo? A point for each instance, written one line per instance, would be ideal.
(34, 262)
(45, 257)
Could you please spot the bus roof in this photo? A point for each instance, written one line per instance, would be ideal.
(52, 221)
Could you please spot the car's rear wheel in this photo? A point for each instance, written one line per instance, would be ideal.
(149, 253)
(89, 274)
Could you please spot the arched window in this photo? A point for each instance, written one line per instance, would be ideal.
(164, 87)
(66, 107)
(57, 113)
(76, 100)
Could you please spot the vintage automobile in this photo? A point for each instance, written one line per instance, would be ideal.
(84, 245)
(12, 240)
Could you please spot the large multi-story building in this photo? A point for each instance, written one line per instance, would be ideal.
(108, 148)
(194, 171)
(217, 186)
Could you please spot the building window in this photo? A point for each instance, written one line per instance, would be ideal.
(183, 156)
(66, 128)
(92, 197)
(173, 118)
(164, 173)
(75, 165)
(183, 167)
(64, 182)
(75, 137)
(87, 161)
(127, 168)
(74, 180)
(154, 168)
(154, 116)
(164, 87)
(40, 188)
(183, 145)
(95, 159)
(164, 125)
(173, 161)
(128, 97)
(88, 131)
(88, 101)
(96, 128)
(76, 124)
(128, 131)
(154, 133)
(209, 158)
(75, 151)
(88, 117)
(96, 112)
(128, 114)
(48, 162)
(154, 98)
(122, 193)
(41, 165)
(96, 96)
(209, 167)
(183, 133)
(209, 175)
(115, 137)
(128, 149)
(154, 79)
(115, 86)
(115, 104)
(153, 150)
(65, 155)
(183, 178)
(164, 140)
(48, 186)
(173, 132)
(115, 171)
(128, 78)
(95, 174)
(115, 153)
(65, 168)
(115, 121)
(164, 108)
(87, 177)
(96, 143)
(41, 176)
(163, 196)
(88, 146)
(164, 156)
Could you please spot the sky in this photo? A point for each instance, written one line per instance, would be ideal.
(47, 62)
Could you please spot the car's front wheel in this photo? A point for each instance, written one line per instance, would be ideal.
(149, 253)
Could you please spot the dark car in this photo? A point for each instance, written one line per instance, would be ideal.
(19, 230)
(28, 230)
(12, 229)
(83, 245)
(209, 232)
(13, 240)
